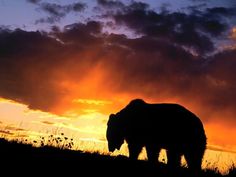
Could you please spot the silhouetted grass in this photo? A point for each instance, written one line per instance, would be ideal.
(56, 158)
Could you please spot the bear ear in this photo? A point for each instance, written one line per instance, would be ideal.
(112, 116)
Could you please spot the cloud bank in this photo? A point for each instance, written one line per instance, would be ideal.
(55, 12)
(175, 59)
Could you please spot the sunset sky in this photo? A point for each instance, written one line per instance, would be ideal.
(65, 65)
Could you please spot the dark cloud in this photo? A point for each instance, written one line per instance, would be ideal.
(11, 128)
(118, 4)
(48, 20)
(195, 30)
(7, 132)
(43, 69)
(60, 10)
(110, 4)
(33, 65)
(162, 71)
(197, 1)
(196, 8)
(34, 1)
(24, 64)
(107, 8)
(81, 32)
(56, 11)
(221, 11)
(33, 71)
(221, 80)
(48, 122)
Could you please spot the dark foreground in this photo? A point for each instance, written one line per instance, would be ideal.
(20, 159)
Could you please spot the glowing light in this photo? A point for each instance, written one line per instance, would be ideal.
(90, 101)
(233, 33)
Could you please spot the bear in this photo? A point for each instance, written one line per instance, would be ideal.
(157, 126)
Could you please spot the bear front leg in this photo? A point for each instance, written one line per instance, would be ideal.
(173, 158)
(152, 153)
(134, 150)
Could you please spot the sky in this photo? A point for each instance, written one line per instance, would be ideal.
(66, 65)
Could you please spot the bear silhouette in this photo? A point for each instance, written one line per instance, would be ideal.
(158, 126)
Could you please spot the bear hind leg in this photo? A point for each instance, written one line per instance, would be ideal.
(173, 158)
(194, 160)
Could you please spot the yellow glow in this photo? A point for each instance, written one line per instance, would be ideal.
(27, 122)
(90, 101)
(88, 128)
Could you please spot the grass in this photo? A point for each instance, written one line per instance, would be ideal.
(55, 156)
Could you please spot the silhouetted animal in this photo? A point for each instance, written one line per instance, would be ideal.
(155, 126)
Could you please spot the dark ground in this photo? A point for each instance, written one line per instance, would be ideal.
(18, 159)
